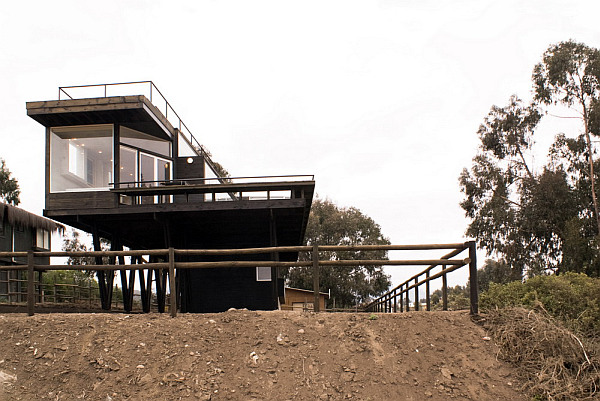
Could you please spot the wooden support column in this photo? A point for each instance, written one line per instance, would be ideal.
(30, 283)
(474, 290)
(274, 257)
(172, 290)
(105, 278)
(145, 287)
(315, 260)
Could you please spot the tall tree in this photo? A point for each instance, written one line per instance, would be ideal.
(499, 181)
(531, 220)
(9, 187)
(329, 224)
(569, 75)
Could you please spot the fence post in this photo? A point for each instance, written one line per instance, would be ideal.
(30, 284)
(444, 290)
(417, 294)
(401, 299)
(315, 259)
(427, 297)
(395, 302)
(172, 291)
(474, 293)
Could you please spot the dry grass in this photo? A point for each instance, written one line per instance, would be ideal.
(554, 362)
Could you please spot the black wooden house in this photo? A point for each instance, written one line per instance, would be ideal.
(118, 168)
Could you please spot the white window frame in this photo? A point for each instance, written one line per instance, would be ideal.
(261, 271)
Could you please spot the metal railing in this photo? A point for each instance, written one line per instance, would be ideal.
(167, 263)
(149, 90)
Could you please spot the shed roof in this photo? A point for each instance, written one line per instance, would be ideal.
(17, 216)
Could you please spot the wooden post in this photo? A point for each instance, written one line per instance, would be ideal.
(407, 299)
(444, 290)
(474, 293)
(401, 300)
(30, 283)
(173, 293)
(416, 293)
(427, 297)
(315, 258)
(395, 300)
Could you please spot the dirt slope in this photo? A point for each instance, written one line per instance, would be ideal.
(246, 355)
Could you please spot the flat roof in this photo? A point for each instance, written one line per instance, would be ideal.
(135, 112)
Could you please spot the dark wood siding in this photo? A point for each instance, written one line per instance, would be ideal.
(81, 200)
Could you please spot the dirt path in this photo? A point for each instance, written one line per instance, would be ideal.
(246, 355)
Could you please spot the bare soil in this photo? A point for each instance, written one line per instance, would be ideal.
(248, 355)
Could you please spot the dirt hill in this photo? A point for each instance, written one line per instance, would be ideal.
(246, 355)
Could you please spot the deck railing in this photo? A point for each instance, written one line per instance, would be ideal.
(166, 263)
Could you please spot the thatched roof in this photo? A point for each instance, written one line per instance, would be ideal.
(17, 216)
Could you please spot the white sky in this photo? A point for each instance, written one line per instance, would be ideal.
(380, 100)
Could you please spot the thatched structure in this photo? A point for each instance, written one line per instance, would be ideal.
(15, 216)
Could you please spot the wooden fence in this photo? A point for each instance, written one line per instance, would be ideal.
(168, 263)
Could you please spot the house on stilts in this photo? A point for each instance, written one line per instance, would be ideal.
(126, 168)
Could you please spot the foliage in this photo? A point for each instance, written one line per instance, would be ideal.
(458, 298)
(492, 272)
(9, 187)
(574, 298)
(329, 224)
(569, 74)
(535, 222)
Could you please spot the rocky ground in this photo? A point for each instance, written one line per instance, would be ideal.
(247, 355)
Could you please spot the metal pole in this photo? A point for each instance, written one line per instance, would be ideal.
(315, 258)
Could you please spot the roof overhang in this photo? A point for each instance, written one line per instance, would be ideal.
(135, 112)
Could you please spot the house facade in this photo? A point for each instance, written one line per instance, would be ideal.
(118, 168)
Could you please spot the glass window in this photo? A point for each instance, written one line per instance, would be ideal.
(147, 170)
(183, 148)
(42, 239)
(128, 160)
(263, 273)
(144, 141)
(81, 158)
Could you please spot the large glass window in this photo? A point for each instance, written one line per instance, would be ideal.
(81, 158)
(147, 142)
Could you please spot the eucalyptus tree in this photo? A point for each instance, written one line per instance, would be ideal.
(569, 75)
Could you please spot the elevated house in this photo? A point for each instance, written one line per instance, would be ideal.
(122, 169)
(21, 231)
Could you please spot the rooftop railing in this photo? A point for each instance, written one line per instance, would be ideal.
(145, 88)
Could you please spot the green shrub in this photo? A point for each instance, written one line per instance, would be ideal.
(573, 298)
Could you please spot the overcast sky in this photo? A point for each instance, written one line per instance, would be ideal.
(380, 100)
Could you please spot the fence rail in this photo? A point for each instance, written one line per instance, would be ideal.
(167, 263)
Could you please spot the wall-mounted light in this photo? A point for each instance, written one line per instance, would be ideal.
(190, 160)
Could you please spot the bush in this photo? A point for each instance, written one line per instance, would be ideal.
(574, 298)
